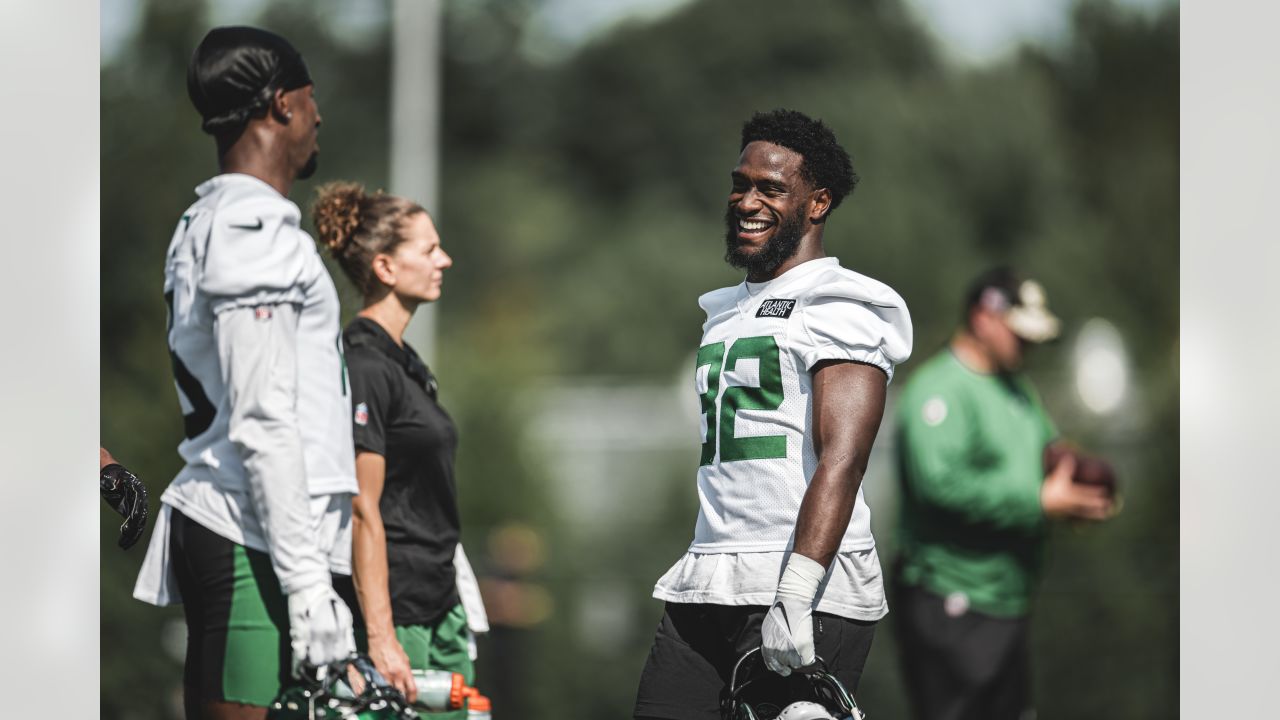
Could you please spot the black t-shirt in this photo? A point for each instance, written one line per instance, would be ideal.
(395, 414)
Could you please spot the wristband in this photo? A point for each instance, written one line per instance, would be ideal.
(801, 577)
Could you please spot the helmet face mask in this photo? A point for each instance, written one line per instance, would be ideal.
(349, 689)
(828, 696)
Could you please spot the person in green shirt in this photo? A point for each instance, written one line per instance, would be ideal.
(974, 505)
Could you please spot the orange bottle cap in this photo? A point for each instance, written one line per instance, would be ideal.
(457, 691)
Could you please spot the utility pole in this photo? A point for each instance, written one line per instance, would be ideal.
(416, 38)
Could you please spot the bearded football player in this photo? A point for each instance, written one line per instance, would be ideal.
(254, 534)
(791, 375)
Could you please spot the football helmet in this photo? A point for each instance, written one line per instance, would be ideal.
(349, 689)
(829, 700)
(805, 710)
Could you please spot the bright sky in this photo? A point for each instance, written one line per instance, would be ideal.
(974, 31)
(983, 30)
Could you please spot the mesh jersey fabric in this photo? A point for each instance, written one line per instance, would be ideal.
(754, 374)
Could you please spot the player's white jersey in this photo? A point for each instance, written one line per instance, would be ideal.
(240, 245)
(753, 375)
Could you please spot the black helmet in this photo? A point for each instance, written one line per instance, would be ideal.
(828, 699)
(330, 695)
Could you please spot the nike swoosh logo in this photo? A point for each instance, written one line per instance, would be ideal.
(249, 227)
(785, 619)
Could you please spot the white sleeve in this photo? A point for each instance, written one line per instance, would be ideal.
(257, 348)
(256, 255)
(847, 320)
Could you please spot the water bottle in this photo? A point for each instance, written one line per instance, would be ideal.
(439, 690)
(479, 707)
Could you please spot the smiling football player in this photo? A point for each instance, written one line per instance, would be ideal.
(791, 375)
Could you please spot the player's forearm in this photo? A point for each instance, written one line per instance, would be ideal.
(104, 458)
(826, 509)
(260, 366)
(274, 469)
(848, 402)
(371, 573)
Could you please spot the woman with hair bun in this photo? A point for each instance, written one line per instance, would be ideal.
(405, 519)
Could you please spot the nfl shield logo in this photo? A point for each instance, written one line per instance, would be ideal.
(362, 414)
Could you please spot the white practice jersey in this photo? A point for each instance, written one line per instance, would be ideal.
(240, 246)
(754, 377)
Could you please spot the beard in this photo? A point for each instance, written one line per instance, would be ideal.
(779, 248)
(309, 168)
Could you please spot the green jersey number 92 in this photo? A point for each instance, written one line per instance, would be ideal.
(766, 396)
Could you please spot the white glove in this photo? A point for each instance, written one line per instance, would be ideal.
(787, 632)
(319, 627)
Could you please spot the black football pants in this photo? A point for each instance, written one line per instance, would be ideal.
(696, 646)
(961, 666)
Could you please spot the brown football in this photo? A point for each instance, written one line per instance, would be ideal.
(1053, 454)
(1095, 471)
(1090, 470)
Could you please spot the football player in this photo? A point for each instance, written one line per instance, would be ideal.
(254, 524)
(791, 375)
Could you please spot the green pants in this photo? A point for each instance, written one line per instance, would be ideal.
(237, 619)
(442, 646)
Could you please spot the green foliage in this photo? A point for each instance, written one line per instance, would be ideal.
(583, 202)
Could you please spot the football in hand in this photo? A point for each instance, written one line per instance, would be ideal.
(1090, 470)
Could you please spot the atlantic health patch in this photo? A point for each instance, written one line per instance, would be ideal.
(776, 308)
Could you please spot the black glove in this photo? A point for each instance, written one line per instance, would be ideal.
(126, 494)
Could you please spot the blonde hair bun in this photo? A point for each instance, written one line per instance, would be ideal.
(336, 213)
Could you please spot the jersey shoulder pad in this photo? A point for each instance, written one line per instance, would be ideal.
(717, 301)
(256, 250)
(840, 284)
(849, 316)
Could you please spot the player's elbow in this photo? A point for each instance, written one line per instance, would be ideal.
(842, 467)
(263, 432)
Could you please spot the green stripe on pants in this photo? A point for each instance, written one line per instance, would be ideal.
(442, 646)
(257, 657)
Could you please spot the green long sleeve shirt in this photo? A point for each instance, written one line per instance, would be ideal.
(969, 462)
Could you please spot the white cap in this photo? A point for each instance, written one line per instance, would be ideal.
(1027, 315)
(1030, 318)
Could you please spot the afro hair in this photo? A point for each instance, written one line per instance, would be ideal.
(826, 164)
